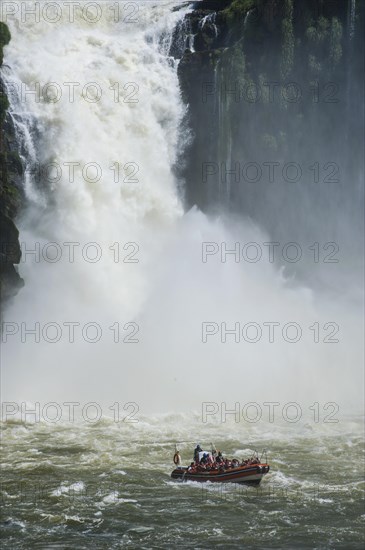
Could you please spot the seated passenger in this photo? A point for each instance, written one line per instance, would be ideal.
(219, 458)
(205, 459)
(209, 459)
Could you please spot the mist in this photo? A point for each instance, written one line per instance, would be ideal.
(152, 282)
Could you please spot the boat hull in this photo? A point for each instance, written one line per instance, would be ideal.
(249, 475)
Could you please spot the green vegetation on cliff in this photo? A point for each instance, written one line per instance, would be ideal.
(238, 9)
(4, 104)
(275, 72)
(324, 38)
(4, 39)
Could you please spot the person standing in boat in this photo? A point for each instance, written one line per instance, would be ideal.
(197, 450)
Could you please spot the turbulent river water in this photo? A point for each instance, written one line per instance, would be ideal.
(101, 136)
(107, 485)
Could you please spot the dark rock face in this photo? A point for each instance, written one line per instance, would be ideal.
(10, 254)
(4, 39)
(11, 193)
(271, 81)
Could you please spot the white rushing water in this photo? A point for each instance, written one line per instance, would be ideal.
(131, 114)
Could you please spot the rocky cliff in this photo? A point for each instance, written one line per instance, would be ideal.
(11, 193)
(269, 81)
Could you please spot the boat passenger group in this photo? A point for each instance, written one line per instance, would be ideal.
(204, 461)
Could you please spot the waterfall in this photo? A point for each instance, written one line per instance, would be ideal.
(104, 162)
(183, 38)
(224, 152)
(209, 19)
(223, 81)
(352, 16)
(23, 124)
(103, 129)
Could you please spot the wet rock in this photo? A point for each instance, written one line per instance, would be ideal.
(11, 193)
